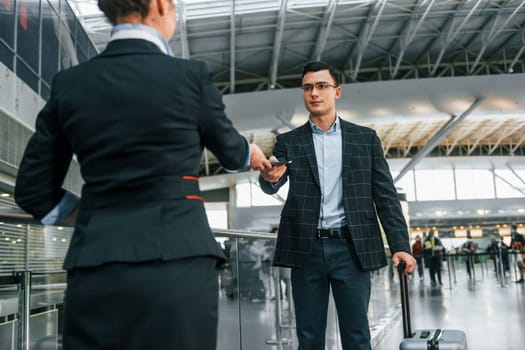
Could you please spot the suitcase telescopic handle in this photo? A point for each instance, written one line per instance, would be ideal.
(405, 308)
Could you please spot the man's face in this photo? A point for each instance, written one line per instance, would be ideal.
(320, 99)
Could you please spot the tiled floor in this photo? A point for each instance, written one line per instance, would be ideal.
(492, 316)
(490, 312)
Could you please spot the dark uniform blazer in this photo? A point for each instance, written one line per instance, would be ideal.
(368, 193)
(137, 121)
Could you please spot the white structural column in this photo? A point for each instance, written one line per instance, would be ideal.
(279, 30)
(408, 35)
(494, 32)
(366, 34)
(434, 141)
(324, 31)
(453, 32)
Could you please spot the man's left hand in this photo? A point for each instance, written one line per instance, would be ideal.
(407, 258)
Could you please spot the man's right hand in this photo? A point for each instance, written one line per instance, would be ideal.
(258, 160)
(274, 173)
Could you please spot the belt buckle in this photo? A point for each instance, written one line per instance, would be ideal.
(318, 235)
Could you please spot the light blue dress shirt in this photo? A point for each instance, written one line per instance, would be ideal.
(329, 154)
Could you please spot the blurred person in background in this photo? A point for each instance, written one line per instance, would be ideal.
(517, 244)
(468, 249)
(417, 252)
(433, 251)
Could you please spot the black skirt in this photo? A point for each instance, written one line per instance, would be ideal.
(137, 306)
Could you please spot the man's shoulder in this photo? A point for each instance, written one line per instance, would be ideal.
(294, 132)
(353, 127)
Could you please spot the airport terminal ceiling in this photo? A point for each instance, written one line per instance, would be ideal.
(406, 66)
(439, 80)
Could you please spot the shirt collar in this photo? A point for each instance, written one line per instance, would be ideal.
(334, 128)
(140, 31)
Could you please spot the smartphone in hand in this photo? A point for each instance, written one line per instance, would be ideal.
(280, 162)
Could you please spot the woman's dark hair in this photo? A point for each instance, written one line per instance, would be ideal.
(316, 66)
(114, 9)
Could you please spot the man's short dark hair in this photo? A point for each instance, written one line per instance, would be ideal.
(316, 66)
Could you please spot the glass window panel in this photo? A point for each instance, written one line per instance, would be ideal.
(504, 190)
(82, 38)
(92, 51)
(252, 195)
(68, 54)
(55, 4)
(244, 196)
(435, 184)
(7, 21)
(259, 198)
(6, 56)
(406, 185)
(45, 91)
(508, 184)
(68, 16)
(82, 56)
(28, 32)
(474, 184)
(27, 76)
(50, 47)
(513, 178)
(217, 214)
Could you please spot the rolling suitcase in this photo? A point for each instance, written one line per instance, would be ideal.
(425, 339)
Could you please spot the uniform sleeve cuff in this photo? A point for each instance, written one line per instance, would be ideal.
(62, 210)
(246, 163)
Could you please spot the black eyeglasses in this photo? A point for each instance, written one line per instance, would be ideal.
(320, 85)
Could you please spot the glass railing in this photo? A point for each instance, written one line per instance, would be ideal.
(255, 302)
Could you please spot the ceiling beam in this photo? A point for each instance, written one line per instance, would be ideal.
(324, 31)
(467, 130)
(277, 43)
(366, 33)
(453, 32)
(408, 35)
(434, 141)
(521, 35)
(503, 135)
(494, 32)
(519, 143)
(481, 134)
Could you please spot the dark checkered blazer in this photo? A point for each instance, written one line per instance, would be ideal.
(368, 193)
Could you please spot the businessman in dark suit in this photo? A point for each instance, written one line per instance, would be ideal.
(329, 233)
(142, 260)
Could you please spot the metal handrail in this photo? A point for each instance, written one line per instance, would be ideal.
(23, 279)
(18, 216)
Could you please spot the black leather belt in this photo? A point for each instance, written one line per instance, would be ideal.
(333, 233)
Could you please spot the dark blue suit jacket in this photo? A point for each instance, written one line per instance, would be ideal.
(138, 121)
(368, 193)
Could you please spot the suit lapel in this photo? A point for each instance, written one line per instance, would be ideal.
(348, 145)
(307, 142)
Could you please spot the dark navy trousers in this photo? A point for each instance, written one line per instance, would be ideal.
(332, 264)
